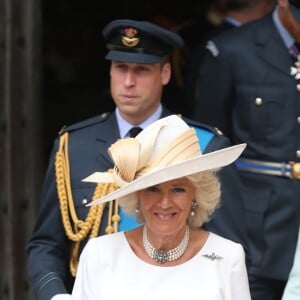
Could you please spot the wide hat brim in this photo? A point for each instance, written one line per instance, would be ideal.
(204, 162)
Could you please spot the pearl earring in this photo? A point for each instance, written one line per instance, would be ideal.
(194, 205)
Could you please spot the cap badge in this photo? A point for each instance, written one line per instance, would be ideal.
(130, 39)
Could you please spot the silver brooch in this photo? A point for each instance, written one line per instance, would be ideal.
(213, 256)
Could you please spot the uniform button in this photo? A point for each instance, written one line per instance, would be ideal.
(298, 120)
(258, 101)
(219, 132)
(84, 201)
(298, 153)
(298, 87)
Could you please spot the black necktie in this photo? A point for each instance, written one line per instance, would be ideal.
(134, 131)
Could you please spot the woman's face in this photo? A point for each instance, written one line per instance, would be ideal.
(166, 206)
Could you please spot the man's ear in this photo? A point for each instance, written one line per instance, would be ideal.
(166, 73)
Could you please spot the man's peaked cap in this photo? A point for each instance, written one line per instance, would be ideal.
(139, 41)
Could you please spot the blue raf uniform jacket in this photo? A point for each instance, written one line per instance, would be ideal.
(49, 249)
(246, 77)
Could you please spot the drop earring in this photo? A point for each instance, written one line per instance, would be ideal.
(137, 210)
(194, 205)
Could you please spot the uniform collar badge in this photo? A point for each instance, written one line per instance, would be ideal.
(129, 38)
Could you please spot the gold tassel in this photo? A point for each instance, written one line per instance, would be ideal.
(90, 226)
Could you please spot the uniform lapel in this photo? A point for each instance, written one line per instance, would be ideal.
(271, 48)
(107, 134)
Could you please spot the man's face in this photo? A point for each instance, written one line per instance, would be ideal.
(290, 17)
(137, 88)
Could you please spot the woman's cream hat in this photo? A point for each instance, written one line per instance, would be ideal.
(165, 150)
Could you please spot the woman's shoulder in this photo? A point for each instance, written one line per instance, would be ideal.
(221, 246)
(219, 240)
(102, 242)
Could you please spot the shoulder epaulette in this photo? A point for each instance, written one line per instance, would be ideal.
(202, 126)
(84, 123)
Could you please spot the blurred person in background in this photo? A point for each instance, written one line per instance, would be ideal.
(248, 77)
(236, 13)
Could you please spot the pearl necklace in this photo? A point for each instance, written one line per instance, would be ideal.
(162, 256)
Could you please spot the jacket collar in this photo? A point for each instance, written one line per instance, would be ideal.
(270, 46)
